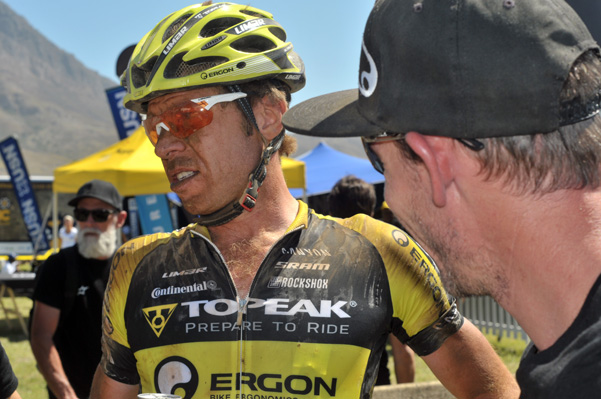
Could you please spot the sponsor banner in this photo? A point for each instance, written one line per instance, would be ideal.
(132, 213)
(154, 214)
(15, 164)
(126, 121)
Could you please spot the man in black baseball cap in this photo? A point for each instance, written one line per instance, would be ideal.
(483, 116)
(67, 314)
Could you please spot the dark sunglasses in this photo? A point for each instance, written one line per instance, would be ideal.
(98, 215)
(375, 160)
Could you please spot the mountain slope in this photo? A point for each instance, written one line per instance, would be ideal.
(52, 104)
(57, 108)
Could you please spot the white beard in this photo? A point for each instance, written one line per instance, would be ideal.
(101, 247)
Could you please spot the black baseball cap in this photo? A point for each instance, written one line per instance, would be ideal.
(457, 68)
(101, 190)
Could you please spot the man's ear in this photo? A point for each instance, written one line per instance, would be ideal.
(433, 151)
(268, 114)
(121, 217)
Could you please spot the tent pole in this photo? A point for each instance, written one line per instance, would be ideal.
(54, 220)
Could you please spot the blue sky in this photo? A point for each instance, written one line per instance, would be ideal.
(326, 33)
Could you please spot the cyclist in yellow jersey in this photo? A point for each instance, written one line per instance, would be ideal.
(261, 298)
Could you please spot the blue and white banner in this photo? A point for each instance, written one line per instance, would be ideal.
(126, 121)
(153, 211)
(15, 164)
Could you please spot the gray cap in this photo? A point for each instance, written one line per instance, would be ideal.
(101, 190)
(456, 68)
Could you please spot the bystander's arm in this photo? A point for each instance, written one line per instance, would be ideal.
(404, 361)
(44, 324)
(105, 387)
(468, 367)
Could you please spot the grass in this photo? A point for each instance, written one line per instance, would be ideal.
(32, 385)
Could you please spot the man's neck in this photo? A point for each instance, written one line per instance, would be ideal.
(245, 241)
(553, 271)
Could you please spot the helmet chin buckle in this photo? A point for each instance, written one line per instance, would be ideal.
(249, 199)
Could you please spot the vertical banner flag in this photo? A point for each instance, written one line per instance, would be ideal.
(127, 121)
(153, 211)
(15, 164)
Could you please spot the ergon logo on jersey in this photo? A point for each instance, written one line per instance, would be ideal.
(271, 307)
(276, 383)
(184, 272)
(297, 282)
(248, 26)
(175, 39)
(306, 251)
(172, 290)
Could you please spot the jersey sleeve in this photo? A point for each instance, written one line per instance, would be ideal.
(424, 314)
(118, 360)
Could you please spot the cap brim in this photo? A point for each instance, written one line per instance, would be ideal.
(330, 115)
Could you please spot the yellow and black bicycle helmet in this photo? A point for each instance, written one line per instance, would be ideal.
(208, 45)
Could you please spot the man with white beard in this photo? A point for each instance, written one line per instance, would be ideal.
(66, 320)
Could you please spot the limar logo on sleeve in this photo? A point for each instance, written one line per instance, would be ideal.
(158, 316)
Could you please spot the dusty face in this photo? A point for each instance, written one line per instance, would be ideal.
(444, 232)
(210, 168)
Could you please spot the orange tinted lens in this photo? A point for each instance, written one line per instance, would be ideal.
(182, 122)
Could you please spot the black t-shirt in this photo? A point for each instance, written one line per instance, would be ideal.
(8, 380)
(78, 334)
(571, 368)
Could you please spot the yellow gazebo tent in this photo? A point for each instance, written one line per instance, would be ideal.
(132, 166)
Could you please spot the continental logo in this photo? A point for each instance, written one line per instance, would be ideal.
(158, 316)
(294, 384)
(302, 266)
(223, 71)
(173, 290)
(184, 272)
(297, 282)
(270, 307)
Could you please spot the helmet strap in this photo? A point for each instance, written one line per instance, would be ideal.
(245, 106)
(249, 197)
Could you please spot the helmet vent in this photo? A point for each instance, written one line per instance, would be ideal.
(174, 27)
(140, 75)
(278, 32)
(218, 25)
(178, 68)
(254, 14)
(253, 44)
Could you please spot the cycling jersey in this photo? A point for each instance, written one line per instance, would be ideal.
(313, 325)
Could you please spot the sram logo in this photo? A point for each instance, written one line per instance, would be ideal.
(273, 306)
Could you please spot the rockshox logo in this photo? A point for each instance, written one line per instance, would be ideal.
(297, 282)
